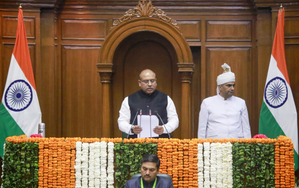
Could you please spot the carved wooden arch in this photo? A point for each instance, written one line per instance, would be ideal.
(145, 17)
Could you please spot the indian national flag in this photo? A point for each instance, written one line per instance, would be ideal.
(278, 113)
(19, 110)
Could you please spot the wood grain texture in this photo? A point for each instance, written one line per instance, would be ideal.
(65, 38)
(190, 29)
(291, 27)
(10, 23)
(228, 30)
(89, 29)
(81, 85)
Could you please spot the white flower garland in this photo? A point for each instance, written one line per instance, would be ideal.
(97, 164)
(200, 165)
(84, 165)
(227, 166)
(94, 165)
(214, 164)
(91, 164)
(206, 155)
(219, 156)
(110, 169)
(103, 159)
(213, 173)
(78, 164)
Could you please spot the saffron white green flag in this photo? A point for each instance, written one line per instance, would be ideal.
(19, 110)
(278, 113)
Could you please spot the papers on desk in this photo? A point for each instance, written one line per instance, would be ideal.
(147, 123)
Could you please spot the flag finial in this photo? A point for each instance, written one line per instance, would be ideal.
(20, 6)
(281, 7)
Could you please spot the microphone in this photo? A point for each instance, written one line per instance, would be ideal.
(140, 114)
(150, 114)
(156, 112)
(133, 122)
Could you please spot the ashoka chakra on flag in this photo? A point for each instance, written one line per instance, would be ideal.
(18, 95)
(276, 92)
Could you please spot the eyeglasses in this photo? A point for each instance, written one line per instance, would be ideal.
(147, 81)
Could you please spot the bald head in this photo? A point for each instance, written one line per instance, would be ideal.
(147, 81)
(146, 72)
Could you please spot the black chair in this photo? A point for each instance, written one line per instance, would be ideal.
(162, 175)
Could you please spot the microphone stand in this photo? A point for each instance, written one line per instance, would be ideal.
(150, 114)
(132, 123)
(140, 117)
(162, 123)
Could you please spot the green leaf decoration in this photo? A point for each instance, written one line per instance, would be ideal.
(20, 165)
(128, 159)
(253, 165)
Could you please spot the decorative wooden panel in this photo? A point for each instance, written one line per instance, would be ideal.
(291, 27)
(238, 58)
(240, 61)
(81, 92)
(292, 59)
(190, 29)
(84, 29)
(196, 88)
(47, 88)
(228, 30)
(10, 23)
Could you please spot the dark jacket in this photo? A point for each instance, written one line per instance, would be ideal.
(161, 183)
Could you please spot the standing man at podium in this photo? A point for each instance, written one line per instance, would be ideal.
(224, 115)
(148, 101)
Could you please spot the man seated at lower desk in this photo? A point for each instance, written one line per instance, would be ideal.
(150, 165)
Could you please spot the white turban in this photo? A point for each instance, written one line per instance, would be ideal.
(226, 76)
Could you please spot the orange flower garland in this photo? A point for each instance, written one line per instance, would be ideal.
(178, 158)
(181, 163)
(163, 160)
(186, 163)
(284, 162)
(41, 164)
(169, 157)
(175, 162)
(277, 164)
(46, 163)
(193, 169)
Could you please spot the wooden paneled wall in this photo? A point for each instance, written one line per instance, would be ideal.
(64, 42)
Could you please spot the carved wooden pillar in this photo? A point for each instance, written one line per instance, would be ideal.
(186, 70)
(105, 71)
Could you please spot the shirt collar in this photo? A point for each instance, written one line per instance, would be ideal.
(222, 98)
(149, 184)
(148, 95)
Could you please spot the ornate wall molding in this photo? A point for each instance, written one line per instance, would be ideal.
(186, 70)
(105, 70)
(145, 8)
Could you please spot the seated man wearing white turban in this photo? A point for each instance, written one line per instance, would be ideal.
(224, 115)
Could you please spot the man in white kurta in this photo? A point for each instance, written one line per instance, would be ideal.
(224, 115)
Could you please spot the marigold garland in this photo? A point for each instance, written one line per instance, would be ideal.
(284, 162)
(181, 159)
(175, 162)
